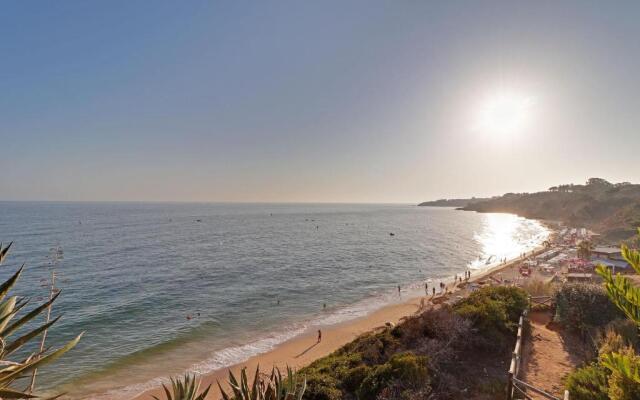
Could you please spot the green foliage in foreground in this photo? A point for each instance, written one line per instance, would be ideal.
(403, 369)
(434, 354)
(274, 388)
(595, 381)
(14, 371)
(494, 311)
(626, 296)
(589, 383)
(185, 388)
(581, 307)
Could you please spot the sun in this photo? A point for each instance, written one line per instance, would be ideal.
(504, 113)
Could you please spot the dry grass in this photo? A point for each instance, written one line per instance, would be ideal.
(537, 287)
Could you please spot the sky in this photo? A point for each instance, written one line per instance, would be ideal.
(330, 101)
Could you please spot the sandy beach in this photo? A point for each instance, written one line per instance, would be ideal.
(304, 349)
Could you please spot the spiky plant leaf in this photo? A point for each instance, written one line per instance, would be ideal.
(185, 388)
(4, 251)
(19, 342)
(27, 367)
(6, 310)
(273, 388)
(19, 306)
(27, 317)
(8, 284)
(16, 370)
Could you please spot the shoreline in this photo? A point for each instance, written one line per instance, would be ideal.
(303, 349)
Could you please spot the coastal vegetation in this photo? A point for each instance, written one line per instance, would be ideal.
(434, 354)
(614, 373)
(612, 209)
(16, 363)
(265, 387)
(185, 388)
(584, 308)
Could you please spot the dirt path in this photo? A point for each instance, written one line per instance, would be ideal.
(548, 356)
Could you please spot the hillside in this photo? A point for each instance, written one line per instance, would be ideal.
(450, 352)
(612, 210)
(451, 202)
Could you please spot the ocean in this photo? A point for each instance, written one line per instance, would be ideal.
(164, 288)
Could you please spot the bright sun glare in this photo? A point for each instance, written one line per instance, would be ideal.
(503, 113)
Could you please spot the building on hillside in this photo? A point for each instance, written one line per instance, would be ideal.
(611, 253)
(610, 257)
(616, 265)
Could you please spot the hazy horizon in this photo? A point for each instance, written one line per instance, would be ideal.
(258, 202)
(331, 102)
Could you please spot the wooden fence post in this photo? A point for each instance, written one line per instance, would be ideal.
(509, 385)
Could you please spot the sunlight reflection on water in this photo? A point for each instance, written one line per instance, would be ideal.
(506, 235)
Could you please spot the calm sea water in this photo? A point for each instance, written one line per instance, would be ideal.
(164, 288)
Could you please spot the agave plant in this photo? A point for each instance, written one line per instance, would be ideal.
(12, 371)
(273, 388)
(184, 389)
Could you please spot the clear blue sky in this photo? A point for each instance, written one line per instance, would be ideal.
(342, 101)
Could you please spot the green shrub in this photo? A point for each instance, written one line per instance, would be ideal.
(627, 329)
(495, 312)
(321, 386)
(611, 342)
(588, 383)
(336, 364)
(354, 377)
(581, 306)
(405, 369)
(326, 376)
(375, 348)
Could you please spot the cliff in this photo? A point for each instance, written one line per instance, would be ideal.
(610, 209)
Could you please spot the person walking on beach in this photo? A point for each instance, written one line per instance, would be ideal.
(426, 289)
(398, 290)
(434, 290)
(319, 335)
